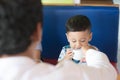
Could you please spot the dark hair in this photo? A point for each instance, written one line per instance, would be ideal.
(78, 23)
(18, 20)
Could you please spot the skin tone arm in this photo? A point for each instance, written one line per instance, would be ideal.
(37, 56)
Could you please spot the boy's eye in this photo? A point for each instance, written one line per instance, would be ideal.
(73, 41)
(82, 40)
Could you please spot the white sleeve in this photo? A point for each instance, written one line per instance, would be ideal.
(62, 54)
(98, 64)
(94, 57)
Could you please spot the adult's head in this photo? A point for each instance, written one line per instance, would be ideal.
(19, 22)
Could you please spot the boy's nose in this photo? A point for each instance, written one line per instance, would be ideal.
(78, 45)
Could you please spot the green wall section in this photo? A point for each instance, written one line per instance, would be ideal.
(58, 1)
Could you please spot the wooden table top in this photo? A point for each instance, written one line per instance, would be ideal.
(118, 78)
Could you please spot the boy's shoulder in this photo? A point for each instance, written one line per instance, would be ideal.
(94, 47)
(66, 47)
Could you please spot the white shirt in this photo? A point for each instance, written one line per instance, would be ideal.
(22, 68)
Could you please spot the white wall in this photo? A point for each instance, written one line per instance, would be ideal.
(119, 52)
(119, 44)
(119, 61)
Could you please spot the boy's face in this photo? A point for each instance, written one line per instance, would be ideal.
(79, 38)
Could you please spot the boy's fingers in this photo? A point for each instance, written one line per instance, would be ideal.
(69, 50)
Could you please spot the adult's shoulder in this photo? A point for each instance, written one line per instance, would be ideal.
(37, 71)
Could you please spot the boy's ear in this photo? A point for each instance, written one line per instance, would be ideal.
(37, 35)
(90, 37)
(67, 36)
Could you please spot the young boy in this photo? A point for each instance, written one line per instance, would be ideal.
(78, 34)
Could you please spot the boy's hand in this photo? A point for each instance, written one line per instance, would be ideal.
(69, 54)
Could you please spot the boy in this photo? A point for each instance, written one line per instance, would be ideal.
(78, 34)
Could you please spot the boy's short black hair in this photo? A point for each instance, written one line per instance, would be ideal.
(18, 20)
(78, 23)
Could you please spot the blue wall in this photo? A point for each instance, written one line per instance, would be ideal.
(104, 26)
